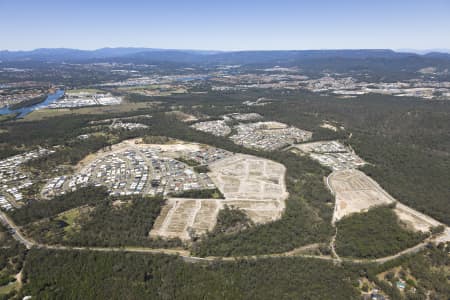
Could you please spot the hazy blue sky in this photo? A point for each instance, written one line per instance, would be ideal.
(225, 24)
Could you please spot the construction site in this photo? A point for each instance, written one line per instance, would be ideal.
(331, 154)
(253, 184)
(132, 168)
(250, 183)
(355, 192)
(261, 135)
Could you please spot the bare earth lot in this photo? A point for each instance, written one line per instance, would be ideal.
(414, 219)
(179, 216)
(356, 192)
(253, 184)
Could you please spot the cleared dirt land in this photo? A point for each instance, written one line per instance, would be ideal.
(414, 219)
(356, 192)
(253, 184)
(180, 216)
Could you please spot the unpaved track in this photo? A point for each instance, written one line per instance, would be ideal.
(186, 256)
(333, 246)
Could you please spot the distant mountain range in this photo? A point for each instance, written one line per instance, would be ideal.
(65, 54)
(424, 51)
(375, 60)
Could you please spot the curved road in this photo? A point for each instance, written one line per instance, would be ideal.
(186, 256)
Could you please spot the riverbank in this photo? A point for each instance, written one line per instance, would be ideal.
(29, 102)
(25, 110)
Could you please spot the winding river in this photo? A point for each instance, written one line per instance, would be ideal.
(22, 112)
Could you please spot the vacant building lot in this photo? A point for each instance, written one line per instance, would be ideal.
(180, 217)
(253, 184)
(356, 192)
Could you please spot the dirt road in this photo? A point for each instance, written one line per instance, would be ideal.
(186, 256)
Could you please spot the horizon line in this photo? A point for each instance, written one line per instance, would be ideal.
(412, 50)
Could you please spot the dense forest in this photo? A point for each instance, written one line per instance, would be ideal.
(231, 220)
(425, 275)
(93, 275)
(50, 274)
(12, 256)
(407, 142)
(37, 210)
(375, 233)
(116, 222)
(68, 154)
(106, 221)
(200, 194)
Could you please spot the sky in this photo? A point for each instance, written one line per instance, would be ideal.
(225, 24)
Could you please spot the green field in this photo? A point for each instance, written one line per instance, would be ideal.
(8, 288)
(42, 114)
(70, 218)
(8, 117)
(87, 90)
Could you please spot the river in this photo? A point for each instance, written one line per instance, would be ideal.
(22, 112)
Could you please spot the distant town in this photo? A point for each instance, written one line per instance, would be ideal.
(222, 78)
